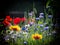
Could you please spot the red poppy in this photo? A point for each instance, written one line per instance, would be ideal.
(8, 18)
(6, 23)
(23, 19)
(17, 20)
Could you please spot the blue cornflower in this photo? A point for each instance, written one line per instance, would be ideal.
(46, 28)
(49, 16)
(37, 18)
(23, 28)
(41, 25)
(41, 14)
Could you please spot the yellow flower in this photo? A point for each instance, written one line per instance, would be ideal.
(36, 36)
(15, 27)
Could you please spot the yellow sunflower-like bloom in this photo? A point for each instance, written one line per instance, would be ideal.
(15, 27)
(36, 36)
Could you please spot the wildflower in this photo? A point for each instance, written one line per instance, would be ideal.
(27, 26)
(37, 18)
(49, 16)
(23, 19)
(17, 20)
(6, 23)
(25, 42)
(23, 28)
(41, 25)
(15, 27)
(7, 37)
(46, 28)
(31, 23)
(36, 36)
(41, 14)
(11, 32)
(8, 18)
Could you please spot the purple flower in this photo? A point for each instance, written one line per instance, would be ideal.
(31, 23)
(37, 18)
(6, 37)
(41, 14)
(49, 16)
(41, 25)
(46, 28)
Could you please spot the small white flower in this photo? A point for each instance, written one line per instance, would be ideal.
(28, 25)
(25, 33)
(11, 32)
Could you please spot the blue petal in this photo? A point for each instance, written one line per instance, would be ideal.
(49, 16)
(37, 18)
(41, 14)
(23, 28)
(41, 25)
(46, 28)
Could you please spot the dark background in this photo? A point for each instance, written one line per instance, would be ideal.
(21, 6)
